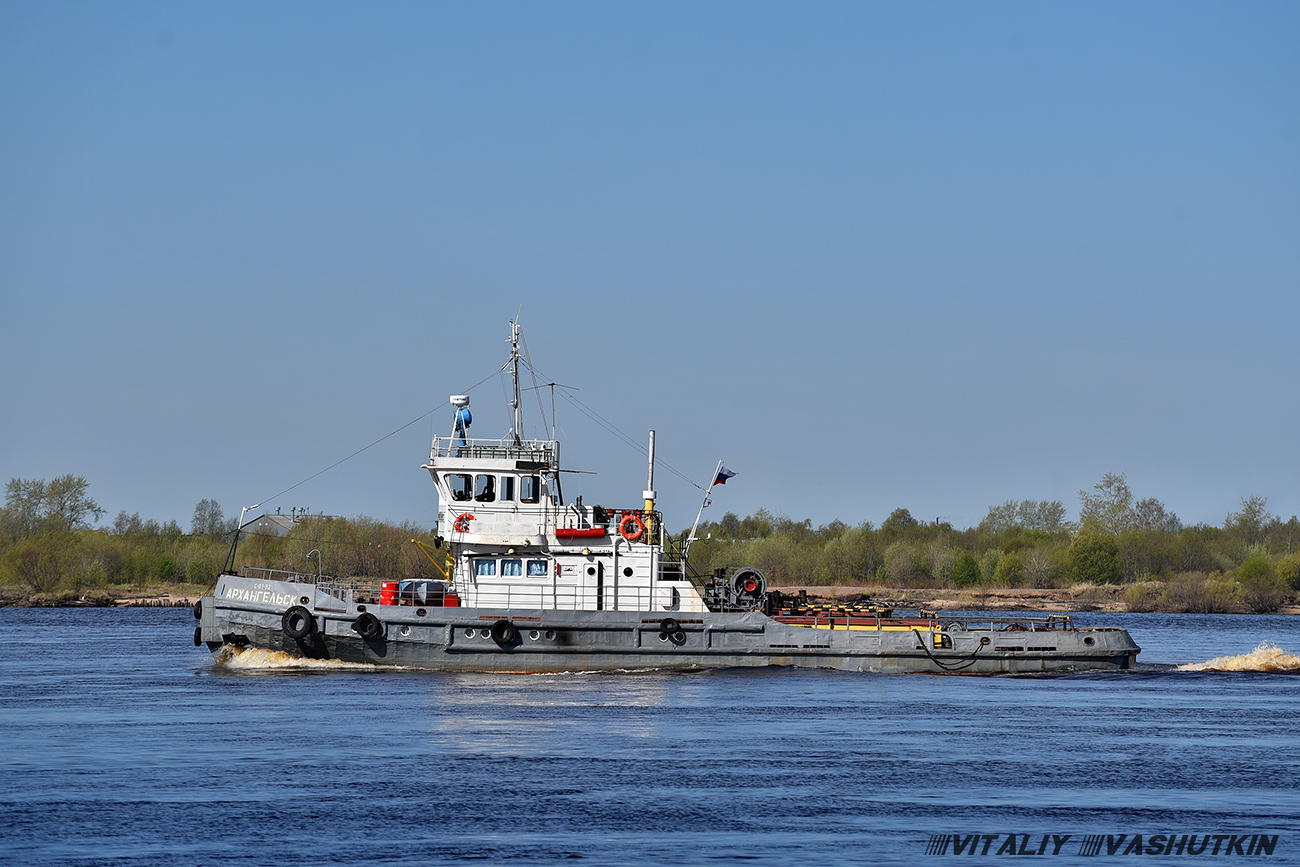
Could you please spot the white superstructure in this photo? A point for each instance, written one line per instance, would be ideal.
(513, 543)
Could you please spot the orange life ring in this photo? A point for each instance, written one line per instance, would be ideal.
(626, 531)
(461, 524)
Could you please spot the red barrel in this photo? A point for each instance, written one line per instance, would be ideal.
(388, 593)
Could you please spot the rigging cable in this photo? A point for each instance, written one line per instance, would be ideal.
(372, 445)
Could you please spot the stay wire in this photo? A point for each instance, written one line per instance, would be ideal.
(421, 417)
(641, 449)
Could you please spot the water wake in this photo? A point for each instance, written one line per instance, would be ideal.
(1266, 657)
(253, 659)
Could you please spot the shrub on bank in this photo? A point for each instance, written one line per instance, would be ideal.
(1198, 593)
(1262, 589)
(1144, 596)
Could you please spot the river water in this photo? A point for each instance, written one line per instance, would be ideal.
(124, 744)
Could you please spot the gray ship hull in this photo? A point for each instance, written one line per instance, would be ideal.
(257, 614)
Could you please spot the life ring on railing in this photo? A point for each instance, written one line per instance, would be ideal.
(461, 524)
(631, 527)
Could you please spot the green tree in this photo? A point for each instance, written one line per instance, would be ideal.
(899, 520)
(68, 505)
(61, 505)
(1262, 588)
(24, 507)
(966, 571)
(1095, 559)
(1109, 509)
(1250, 521)
(1010, 571)
(208, 519)
(1047, 516)
(1151, 514)
(1288, 569)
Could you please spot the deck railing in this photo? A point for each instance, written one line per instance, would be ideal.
(543, 452)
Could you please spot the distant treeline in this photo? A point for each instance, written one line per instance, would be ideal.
(48, 544)
(1251, 562)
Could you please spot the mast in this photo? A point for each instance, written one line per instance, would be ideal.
(649, 492)
(516, 431)
(686, 553)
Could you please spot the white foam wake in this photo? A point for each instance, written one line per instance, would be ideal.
(1266, 657)
(254, 659)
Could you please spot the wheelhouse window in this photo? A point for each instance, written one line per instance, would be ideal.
(512, 568)
(507, 488)
(536, 568)
(485, 488)
(459, 485)
(485, 568)
(530, 489)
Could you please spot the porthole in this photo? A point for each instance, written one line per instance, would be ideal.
(534, 635)
(550, 635)
(404, 631)
(1090, 641)
(663, 636)
(469, 633)
(591, 570)
(420, 612)
(627, 572)
(485, 633)
(304, 600)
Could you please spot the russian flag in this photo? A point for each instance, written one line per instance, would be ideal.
(723, 475)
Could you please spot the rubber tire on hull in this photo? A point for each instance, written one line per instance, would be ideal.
(367, 625)
(504, 632)
(198, 636)
(298, 623)
(198, 609)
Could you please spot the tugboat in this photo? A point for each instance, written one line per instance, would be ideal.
(530, 583)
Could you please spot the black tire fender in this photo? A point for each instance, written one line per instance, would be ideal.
(298, 623)
(198, 609)
(504, 632)
(669, 625)
(198, 636)
(367, 625)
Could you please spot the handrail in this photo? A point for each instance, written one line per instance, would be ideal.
(273, 575)
(545, 451)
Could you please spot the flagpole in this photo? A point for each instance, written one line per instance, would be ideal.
(686, 552)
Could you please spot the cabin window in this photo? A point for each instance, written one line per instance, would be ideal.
(530, 489)
(507, 488)
(485, 568)
(512, 568)
(459, 484)
(536, 568)
(485, 488)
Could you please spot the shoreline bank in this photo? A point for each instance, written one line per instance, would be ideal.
(1053, 601)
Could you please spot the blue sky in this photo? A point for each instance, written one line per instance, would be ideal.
(931, 255)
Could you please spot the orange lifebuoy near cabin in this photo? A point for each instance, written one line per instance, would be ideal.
(631, 527)
(461, 524)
